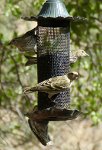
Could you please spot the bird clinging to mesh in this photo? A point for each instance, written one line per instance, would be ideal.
(26, 43)
(73, 57)
(54, 85)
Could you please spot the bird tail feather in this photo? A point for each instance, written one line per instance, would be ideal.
(40, 129)
(31, 60)
(30, 90)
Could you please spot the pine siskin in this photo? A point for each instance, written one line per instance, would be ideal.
(40, 129)
(73, 57)
(77, 54)
(54, 85)
(26, 43)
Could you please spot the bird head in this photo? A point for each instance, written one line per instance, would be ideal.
(73, 75)
(81, 53)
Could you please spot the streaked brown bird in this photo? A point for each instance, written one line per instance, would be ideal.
(73, 57)
(40, 130)
(26, 43)
(54, 85)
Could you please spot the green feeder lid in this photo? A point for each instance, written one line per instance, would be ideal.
(52, 11)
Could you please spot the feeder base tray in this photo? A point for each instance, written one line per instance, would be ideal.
(53, 114)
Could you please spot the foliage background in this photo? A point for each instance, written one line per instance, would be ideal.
(87, 96)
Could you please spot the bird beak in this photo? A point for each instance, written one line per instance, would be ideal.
(87, 54)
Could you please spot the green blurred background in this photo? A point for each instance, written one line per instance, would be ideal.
(86, 93)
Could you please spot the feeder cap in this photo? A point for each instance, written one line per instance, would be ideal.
(53, 9)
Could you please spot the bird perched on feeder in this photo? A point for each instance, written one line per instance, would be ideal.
(40, 130)
(73, 57)
(26, 43)
(54, 85)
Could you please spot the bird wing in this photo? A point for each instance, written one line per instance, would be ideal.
(56, 83)
(73, 59)
(52, 86)
(61, 82)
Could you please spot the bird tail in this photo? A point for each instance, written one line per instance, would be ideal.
(40, 129)
(31, 61)
(30, 90)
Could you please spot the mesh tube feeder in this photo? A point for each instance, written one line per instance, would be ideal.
(53, 59)
(53, 44)
(53, 49)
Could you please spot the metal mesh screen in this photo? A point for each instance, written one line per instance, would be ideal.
(53, 60)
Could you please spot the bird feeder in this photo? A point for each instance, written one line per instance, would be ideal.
(53, 49)
(53, 44)
(53, 52)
